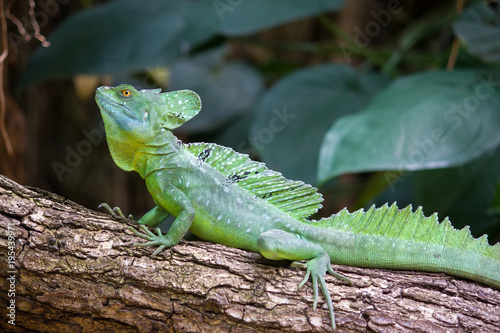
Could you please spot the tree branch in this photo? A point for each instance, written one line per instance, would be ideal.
(76, 271)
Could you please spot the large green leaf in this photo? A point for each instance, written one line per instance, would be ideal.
(478, 28)
(241, 17)
(421, 121)
(121, 36)
(292, 118)
(464, 193)
(226, 88)
(128, 35)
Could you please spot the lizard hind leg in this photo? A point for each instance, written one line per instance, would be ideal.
(278, 244)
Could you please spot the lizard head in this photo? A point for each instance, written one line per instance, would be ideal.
(134, 119)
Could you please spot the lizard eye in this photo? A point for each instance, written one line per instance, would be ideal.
(126, 93)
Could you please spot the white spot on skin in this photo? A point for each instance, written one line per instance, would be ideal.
(266, 217)
(208, 201)
(238, 200)
(250, 207)
(179, 102)
(219, 217)
(226, 189)
(248, 230)
(261, 229)
(187, 184)
(228, 221)
(199, 198)
(217, 182)
(239, 225)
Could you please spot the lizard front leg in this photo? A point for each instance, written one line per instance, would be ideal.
(179, 202)
(279, 244)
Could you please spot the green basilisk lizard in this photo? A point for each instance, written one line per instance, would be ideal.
(224, 197)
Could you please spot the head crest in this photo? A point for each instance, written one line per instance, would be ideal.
(181, 106)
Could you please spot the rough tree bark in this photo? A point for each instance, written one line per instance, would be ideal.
(75, 271)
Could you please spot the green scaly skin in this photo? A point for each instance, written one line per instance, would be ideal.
(224, 197)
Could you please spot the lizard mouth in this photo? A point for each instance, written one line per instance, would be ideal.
(111, 106)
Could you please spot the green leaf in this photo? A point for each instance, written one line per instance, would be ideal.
(421, 121)
(236, 135)
(128, 35)
(292, 118)
(226, 88)
(121, 36)
(478, 28)
(241, 17)
(463, 193)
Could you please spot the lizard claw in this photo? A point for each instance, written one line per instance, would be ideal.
(116, 211)
(317, 268)
(158, 239)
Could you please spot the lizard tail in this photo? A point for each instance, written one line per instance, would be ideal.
(387, 237)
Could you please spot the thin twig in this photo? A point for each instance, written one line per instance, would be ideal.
(17, 22)
(3, 104)
(35, 25)
(455, 48)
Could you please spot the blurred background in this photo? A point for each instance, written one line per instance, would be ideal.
(370, 101)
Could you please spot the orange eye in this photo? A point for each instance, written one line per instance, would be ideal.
(126, 93)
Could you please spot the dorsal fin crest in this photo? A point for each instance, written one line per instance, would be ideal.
(414, 226)
(295, 198)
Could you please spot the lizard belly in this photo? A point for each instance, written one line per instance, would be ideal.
(230, 231)
(237, 221)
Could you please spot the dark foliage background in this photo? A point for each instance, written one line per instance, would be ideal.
(371, 102)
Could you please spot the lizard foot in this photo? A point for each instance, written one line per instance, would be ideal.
(158, 239)
(278, 244)
(316, 269)
(116, 211)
